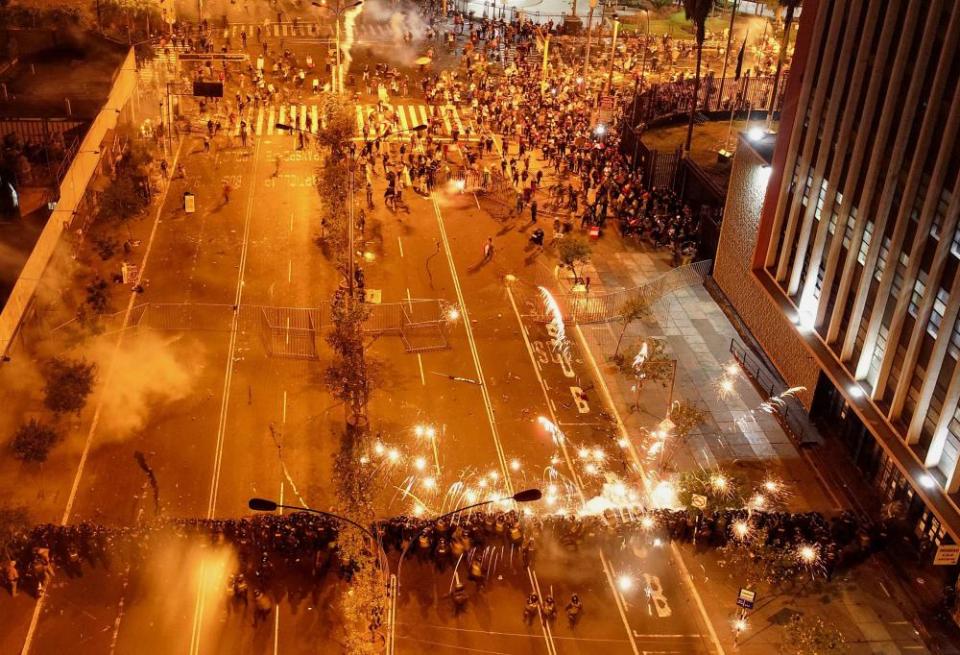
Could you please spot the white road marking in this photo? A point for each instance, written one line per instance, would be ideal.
(488, 405)
(544, 624)
(423, 379)
(607, 567)
(284, 414)
(684, 573)
(95, 421)
(400, 243)
(224, 404)
(290, 271)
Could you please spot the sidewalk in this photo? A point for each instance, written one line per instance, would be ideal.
(746, 441)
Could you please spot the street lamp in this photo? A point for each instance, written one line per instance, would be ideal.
(266, 505)
(338, 12)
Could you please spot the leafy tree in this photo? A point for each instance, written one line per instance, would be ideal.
(685, 417)
(634, 308)
(574, 252)
(341, 125)
(656, 365)
(68, 383)
(697, 12)
(811, 635)
(722, 490)
(33, 440)
(97, 297)
(347, 376)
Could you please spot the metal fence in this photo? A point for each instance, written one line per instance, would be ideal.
(584, 307)
(790, 413)
(292, 332)
(663, 102)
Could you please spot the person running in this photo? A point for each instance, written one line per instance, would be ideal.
(226, 193)
(488, 249)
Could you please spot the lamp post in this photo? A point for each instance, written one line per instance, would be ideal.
(613, 52)
(726, 53)
(266, 505)
(338, 12)
(586, 58)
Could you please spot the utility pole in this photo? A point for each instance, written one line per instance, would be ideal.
(613, 52)
(726, 54)
(586, 59)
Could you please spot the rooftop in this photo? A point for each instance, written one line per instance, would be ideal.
(41, 82)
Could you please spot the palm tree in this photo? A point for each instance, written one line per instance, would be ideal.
(697, 12)
(790, 6)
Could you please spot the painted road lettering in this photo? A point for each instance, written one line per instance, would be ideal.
(655, 594)
(580, 399)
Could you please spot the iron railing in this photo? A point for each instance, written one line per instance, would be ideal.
(585, 307)
(790, 413)
(290, 331)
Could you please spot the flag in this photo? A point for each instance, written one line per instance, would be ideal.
(743, 47)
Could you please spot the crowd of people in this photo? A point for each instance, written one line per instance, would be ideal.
(296, 550)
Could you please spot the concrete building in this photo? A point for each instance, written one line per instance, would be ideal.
(840, 246)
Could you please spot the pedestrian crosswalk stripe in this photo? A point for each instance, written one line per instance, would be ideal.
(311, 118)
(456, 117)
(273, 29)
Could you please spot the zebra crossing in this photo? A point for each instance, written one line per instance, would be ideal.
(363, 31)
(263, 120)
(406, 117)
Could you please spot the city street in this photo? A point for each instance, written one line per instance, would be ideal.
(214, 380)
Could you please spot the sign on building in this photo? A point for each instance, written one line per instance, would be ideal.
(947, 555)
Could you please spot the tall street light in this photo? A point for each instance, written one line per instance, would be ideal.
(338, 11)
(267, 505)
(613, 52)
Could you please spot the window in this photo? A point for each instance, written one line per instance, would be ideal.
(954, 347)
(821, 198)
(940, 213)
(882, 259)
(877, 358)
(939, 309)
(865, 244)
(917, 296)
(848, 233)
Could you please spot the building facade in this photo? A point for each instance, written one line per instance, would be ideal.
(858, 241)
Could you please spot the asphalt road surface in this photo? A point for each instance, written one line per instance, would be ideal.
(250, 424)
